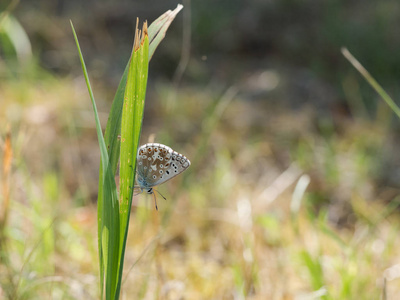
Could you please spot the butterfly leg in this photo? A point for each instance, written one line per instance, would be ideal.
(155, 200)
(137, 187)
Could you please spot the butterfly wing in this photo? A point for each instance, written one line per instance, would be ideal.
(157, 163)
(172, 164)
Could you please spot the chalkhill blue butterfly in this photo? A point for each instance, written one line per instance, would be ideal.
(156, 164)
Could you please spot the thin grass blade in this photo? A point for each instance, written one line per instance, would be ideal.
(108, 218)
(375, 85)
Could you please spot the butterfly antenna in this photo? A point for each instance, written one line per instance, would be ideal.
(160, 194)
(155, 200)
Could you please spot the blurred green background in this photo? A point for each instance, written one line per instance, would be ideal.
(295, 176)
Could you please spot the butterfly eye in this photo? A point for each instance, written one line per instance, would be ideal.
(161, 166)
(154, 176)
(161, 171)
(155, 149)
(167, 172)
(149, 150)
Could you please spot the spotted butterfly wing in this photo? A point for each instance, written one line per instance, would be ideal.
(157, 163)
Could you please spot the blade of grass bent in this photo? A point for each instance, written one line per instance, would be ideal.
(108, 221)
(159, 27)
(131, 126)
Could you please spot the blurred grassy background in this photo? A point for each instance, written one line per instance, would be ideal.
(294, 184)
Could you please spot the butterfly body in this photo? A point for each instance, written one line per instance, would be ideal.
(156, 164)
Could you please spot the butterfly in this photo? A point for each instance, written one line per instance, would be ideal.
(156, 164)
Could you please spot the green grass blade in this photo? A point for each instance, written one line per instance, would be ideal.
(314, 268)
(113, 129)
(111, 146)
(108, 235)
(375, 85)
(131, 126)
(112, 141)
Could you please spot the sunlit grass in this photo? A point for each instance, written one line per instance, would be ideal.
(208, 247)
(269, 257)
(227, 229)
